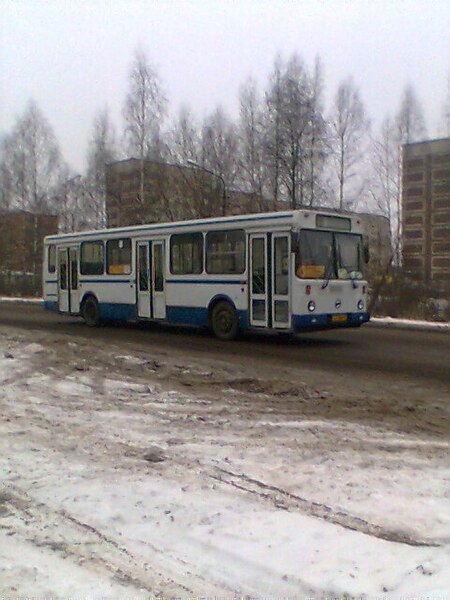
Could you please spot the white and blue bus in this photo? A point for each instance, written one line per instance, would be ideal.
(286, 271)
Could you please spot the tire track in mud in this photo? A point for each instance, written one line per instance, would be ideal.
(60, 532)
(123, 565)
(285, 500)
(278, 497)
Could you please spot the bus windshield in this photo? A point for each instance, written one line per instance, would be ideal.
(328, 255)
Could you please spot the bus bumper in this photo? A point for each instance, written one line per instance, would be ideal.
(329, 321)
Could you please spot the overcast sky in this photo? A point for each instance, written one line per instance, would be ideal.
(73, 56)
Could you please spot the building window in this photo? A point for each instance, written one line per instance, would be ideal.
(186, 254)
(225, 252)
(118, 256)
(92, 258)
(51, 258)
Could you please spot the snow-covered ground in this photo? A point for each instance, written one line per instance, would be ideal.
(128, 475)
(409, 323)
(7, 299)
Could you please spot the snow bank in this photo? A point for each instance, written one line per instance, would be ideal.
(409, 324)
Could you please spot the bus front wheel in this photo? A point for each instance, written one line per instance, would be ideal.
(91, 312)
(224, 321)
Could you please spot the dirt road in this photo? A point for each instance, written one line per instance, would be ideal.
(420, 355)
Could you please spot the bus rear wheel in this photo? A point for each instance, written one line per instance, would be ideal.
(91, 312)
(224, 321)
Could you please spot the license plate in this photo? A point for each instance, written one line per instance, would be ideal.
(339, 318)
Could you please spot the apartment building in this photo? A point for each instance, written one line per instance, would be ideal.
(426, 212)
(21, 246)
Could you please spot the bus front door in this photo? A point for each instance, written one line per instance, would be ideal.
(158, 280)
(281, 277)
(151, 280)
(269, 284)
(68, 291)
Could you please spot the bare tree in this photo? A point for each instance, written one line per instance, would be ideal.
(69, 198)
(446, 110)
(102, 150)
(191, 196)
(220, 151)
(295, 132)
(31, 163)
(386, 182)
(410, 120)
(317, 151)
(6, 175)
(185, 140)
(273, 135)
(296, 125)
(348, 129)
(144, 111)
(253, 171)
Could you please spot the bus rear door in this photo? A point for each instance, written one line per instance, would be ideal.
(68, 289)
(151, 280)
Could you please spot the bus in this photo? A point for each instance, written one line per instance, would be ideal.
(287, 272)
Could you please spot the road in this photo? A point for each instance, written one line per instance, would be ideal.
(369, 351)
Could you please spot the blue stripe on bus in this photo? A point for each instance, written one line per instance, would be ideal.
(303, 322)
(206, 281)
(209, 281)
(106, 280)
(187, 315)
(150, 228)
(198, 316)
(118, 312)
(50, 305)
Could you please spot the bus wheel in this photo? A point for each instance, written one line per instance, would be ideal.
(224, 321)
(91, 312)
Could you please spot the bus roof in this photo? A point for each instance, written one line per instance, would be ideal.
(277, 217)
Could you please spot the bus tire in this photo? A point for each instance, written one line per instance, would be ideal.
(90, 312)
(224, 321)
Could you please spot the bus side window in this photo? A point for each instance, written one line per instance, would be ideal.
(225, 252)
(118, 257)
(92, 258)
(186, 253)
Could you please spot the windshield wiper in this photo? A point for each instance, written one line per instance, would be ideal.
(352, 277)
(347, 268)
(328, 271)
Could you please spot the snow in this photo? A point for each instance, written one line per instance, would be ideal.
(21, 300)
(409, 323)
(83, 515)
(43, 565)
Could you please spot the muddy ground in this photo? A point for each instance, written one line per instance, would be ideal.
(365, 452)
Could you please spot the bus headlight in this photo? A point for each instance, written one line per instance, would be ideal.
(360, 305)
(311, 306)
